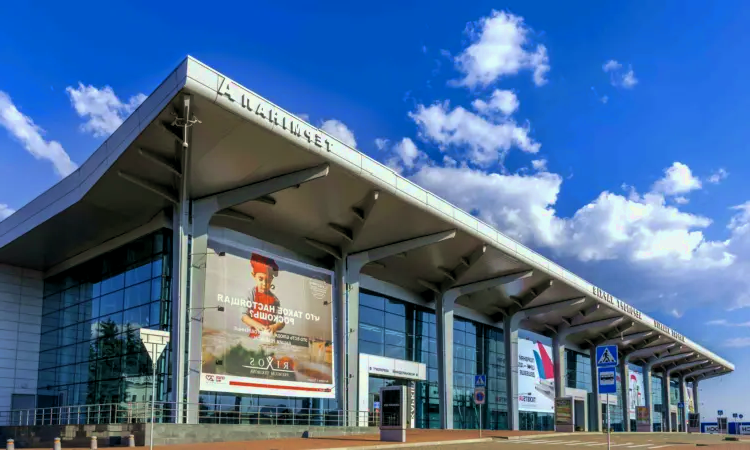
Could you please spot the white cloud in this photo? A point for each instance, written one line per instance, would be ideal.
(678, 179)
(681, 200)
(619, 77)
(381, 143)
(506, 102)
(718, 176)
(539, 164)
(101, 108)
(717, 322)
(303, 116)
(487, 141)
(30, 135)
(501, 46)
(340, 131)
(604, 99)
(737, 342)
(5, 211)
(675, 313)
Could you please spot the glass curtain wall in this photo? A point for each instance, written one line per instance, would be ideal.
(89, 351)
(578, 370)
(657, 396)
(401, 330)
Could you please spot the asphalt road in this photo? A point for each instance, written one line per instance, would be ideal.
(651, 441)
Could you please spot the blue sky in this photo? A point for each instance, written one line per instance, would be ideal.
(609, 137)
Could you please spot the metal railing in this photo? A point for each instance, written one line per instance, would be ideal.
(166, 412)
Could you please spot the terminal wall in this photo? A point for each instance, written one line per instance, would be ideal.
(21, 292)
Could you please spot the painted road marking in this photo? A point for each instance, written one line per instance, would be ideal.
(639, 445)
(660, 446)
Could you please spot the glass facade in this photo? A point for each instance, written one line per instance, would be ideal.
(404, 331)
(657, 384)
(578, 370)
(89, 351)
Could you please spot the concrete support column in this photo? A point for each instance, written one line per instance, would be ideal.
(340, 331)
(444, 315)
(625, 388)
(510, 338)
(595, 403)
(647, 395)
(667, 404)
(558, 360)
(682, 411)
(696, 402)
(180, 274)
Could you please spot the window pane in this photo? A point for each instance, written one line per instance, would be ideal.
(372, 301)
(371, 316)
(137, 317)
(111, 303)
(138, 274)
(138, 295)
(395, 352)
(395, 322)
(395, 307)
(370, 348)
(371, 333)
(113, 283)
(395, 338)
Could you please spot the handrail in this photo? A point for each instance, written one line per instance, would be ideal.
(166, 412)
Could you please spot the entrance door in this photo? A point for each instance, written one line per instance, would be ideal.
(673, 421)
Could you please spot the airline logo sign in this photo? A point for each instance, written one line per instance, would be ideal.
(606, 356)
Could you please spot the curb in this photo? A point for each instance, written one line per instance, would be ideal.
(413, 444)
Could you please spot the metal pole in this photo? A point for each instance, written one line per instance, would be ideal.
(480, 420)
(609, 441)
(153, 396)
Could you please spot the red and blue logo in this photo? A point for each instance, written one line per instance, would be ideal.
(543, 363)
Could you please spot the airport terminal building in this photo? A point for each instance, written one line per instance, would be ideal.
(296, 274)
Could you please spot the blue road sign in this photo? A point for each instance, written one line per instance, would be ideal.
(680, 405)
(741, 416)
(607, 380)
(480, 381)
(375, 405)
(606, 356)
(721, 412)
(734, 415)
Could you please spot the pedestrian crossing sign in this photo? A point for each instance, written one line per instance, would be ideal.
(606, 356)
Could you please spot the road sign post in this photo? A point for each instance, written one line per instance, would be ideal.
(606, 366)
(480, 384)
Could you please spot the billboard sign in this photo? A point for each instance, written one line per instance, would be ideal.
(275, 334)
(536, 377)
(636, 393)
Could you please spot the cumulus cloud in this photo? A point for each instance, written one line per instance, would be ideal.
(501, 46)
(718, 176)
(5, 211)
(487, 141)
(678, 179)
(31, 137)
(505, 102)
(539, 164)
(619, 77)
(340, 131)
(101, 108)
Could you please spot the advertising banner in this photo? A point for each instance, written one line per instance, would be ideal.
(643, 423)
(564, 413)
(536, 377)
(636, 393)
(275, 333)
(689, 399)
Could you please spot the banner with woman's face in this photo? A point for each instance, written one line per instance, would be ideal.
(275, 333)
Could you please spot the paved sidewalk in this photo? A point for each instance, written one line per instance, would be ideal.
(426, 437)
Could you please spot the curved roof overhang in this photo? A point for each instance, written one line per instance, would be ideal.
(241, 139)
